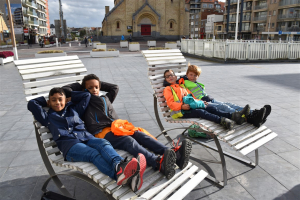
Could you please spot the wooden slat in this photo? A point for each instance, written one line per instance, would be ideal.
(258, 143)
(166, 58)
(252, 139)
(38, 95)
(22, 67)
(157, 72)
(168, 190)
(163, 183)
(52, 81)
(166, 62)
(46, 136)
(46, 88)
(54, 157)
(162, 54)
(189, 186)
(120, 192)
(43, 130)
(50, 144)
(165, 67)
(146, 52)
(48, 69)
(239, 133)
(52, 151)
(245, 137)
(44, 60)
(54, 73)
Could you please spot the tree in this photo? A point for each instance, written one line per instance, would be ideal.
(82, 33)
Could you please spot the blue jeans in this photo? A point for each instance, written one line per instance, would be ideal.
(97, 151)
(226, 107)
(137, 143)
(210, 113)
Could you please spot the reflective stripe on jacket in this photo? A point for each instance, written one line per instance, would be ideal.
(175, 114)
(197, 89)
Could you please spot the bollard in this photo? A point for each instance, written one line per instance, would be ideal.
(56, 42)
(69, 44)
(79, 44)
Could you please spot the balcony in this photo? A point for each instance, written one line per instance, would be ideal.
(195, 2)
(288, 2)
(29, 3)
(233, 19)
(255, 29)
(232, 1)
(289, 16)
(246, 29)
(231, 28)
(247, 8)
(259, 7)
(260, 18)
(246, 18)
(289, 29)
(232, 11)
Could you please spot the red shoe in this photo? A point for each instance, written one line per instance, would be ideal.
(126, 170)
(137, 181)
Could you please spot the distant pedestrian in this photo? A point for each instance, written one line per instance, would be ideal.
(85, 41)
(91, 39)
(122, 37)
(130, 38)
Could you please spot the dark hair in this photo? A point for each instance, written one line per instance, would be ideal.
(89, 77)
(56, 90)
(168, 70)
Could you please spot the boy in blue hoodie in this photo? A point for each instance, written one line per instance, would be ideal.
(74, 141)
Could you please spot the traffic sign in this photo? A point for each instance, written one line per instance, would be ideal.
(279, 32)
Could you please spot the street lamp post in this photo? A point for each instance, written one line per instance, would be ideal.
(237, 19)
(269, 25)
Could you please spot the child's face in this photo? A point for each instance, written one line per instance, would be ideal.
(192, 76)
(93, 86)
(57, 102)
(170, 77)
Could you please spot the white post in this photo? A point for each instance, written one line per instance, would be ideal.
(56, 42)
(269, 26)
(237, 19)
(70, 44)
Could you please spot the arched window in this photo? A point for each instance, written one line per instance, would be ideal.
(171, 24)
(118, 24)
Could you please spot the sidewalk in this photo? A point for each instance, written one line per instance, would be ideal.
(277, 176)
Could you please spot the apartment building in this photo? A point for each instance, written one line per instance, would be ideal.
(28, 14)
(263, 19)
(212, 24)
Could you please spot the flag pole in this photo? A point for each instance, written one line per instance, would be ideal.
(15, 50)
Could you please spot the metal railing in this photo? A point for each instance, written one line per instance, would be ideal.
(260, 18)
(246, 29)
(258, 29)
(241, 50)
(262, 6)
(288, 2)
(287, 16)
(246, 18)
(233, 19)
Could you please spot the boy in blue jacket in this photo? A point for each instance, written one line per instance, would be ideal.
(74, 141)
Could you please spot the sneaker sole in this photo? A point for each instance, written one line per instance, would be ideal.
(130, 170)
(138, 179)
(169, 167)
(187, 151)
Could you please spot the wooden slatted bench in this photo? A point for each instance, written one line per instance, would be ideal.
(244, 138)
(39, 76)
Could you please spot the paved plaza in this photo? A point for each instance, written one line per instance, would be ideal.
(277, 176)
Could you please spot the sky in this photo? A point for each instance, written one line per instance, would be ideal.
(80, 13)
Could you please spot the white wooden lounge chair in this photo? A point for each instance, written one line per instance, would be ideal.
(39, 76)
(244, 138)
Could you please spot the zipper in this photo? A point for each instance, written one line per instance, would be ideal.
(106, 108)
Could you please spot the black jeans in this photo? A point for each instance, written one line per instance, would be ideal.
(210, 113)
(137, 143)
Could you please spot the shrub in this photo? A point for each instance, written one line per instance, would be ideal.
(47, 42)
(101, 44)
(123, 40)
(133, 43)
(51, 51)
(151, 40)
(98, 50)
(157, 48)
(171, 42)
(25, 41)
(5, 54)
(111, 50)
(3, 43)
(9, 43)
(98, 44)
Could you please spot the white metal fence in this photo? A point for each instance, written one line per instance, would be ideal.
(248, 50)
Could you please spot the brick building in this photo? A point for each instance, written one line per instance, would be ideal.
(167, 19)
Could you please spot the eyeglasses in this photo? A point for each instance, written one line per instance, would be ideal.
(168, 76)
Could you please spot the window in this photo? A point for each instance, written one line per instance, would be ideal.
(204, 5)
(274, 12)
(219, 28)
(270, 12)
(118, 25)
(210, 5)
(275, 1)
(171, 25)
(273, 25)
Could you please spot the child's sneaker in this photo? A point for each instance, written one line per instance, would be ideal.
(256, 117)
(183, 153)
(268, 111)
(126, 170)
(137, 180)
(240, 117)
(227, 123)
(166, 164)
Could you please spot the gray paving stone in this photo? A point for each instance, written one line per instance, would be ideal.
(22, 192)
(17, 134)
(292, 157)
(7, 158)
(2, 113)
(277, 145)
(11, 145)
(2, 171)
(295, 141)
(139, 117)
(274, 164)
(289, 179)
(27, 158)
(30, 145)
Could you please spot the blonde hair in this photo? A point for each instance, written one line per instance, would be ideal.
(193, 68)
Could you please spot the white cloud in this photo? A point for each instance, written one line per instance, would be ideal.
(80, 13)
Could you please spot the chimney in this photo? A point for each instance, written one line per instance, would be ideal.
(106, 10)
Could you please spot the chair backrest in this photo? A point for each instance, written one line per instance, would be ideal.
(41, 74)
(159, 61)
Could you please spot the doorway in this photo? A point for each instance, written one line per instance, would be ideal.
(145, 29)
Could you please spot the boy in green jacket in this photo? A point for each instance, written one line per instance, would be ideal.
(256, 117)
